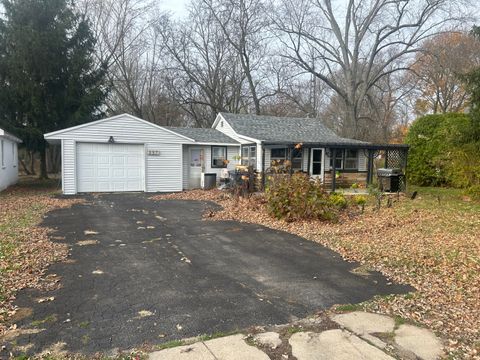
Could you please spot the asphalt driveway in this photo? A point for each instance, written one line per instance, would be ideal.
(144, 271)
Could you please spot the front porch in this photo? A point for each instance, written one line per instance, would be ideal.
(345, 165)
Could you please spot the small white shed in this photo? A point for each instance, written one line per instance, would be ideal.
(8, 159)
(125, 153)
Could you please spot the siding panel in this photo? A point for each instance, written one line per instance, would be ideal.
(68, 171)
(8, 172)
(123, 129)
(164, 172)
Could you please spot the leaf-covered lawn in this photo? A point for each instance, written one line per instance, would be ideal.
(25, 249)
(432, 243)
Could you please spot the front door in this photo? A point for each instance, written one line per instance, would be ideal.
(317, 163)
(196, 163)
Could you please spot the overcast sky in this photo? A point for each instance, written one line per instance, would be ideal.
(177, 7)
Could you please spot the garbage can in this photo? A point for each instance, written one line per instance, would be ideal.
(209, 181)
(389, 179)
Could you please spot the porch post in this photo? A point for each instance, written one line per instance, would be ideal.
(370, 167)
(334, 173)
(290, 158)
(262, 149)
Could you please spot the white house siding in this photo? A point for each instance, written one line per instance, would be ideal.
(124, 129)
(9, 168)
(164, 172)
(232, 151)
(69, 181)
(227, 129)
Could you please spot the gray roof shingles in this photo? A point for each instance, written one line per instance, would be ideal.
(203, 135)
(284, 129)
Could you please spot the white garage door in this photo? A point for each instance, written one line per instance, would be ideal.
(110, 167)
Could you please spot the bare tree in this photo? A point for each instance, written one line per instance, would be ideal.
(355, 45)
(245, 25)
(130, 45)
(205, 76)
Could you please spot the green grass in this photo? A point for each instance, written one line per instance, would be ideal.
(84, 324)
(171, 344)
(216, 335)
(294, 329)
(440, 198)
(349, 307)
(48, 319)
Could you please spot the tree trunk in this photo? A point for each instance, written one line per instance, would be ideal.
(43, 164)
(32, 162)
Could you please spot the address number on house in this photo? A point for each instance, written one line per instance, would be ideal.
(153, 152)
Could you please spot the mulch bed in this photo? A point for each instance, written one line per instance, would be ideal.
(436, 251)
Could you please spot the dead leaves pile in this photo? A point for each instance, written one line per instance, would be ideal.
(25, 249)
(436, 249)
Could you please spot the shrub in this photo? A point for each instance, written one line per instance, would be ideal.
(338, 200)
(430, 138)
(474, 192)
(298, 197)
(360, 200)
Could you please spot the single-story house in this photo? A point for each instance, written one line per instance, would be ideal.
(8, 159)
(125, 153)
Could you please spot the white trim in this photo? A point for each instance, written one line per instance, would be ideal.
(215, 144)
(62, 172)
(52, 135)
(9, 136)
(145, 167)
(322, 168)
(75, 166)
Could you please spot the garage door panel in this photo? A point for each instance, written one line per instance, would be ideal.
(118, 172)
(110, 167)
(103, 172)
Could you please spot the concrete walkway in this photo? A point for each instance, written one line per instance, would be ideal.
(358, 335)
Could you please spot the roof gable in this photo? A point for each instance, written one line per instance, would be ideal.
(120, 125)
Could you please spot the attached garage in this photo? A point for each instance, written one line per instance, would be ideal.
(110, 167)
(125, 153)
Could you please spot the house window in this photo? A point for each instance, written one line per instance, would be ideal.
(281, 154)
(297, 156)
(249, 156)
(219, 156)
(338, 160)
(345, 160)
(351, 159)
(3, 153)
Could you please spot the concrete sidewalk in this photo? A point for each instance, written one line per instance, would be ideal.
(358, 335)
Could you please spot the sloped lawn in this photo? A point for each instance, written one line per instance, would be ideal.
(25, 249)
(432, 243)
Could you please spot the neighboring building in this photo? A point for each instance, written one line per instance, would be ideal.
(8, 159)
(125, 153)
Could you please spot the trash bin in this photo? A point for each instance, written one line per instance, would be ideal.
(209, 181)
(389, 179)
